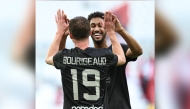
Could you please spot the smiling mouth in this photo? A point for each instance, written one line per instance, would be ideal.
(97, 34)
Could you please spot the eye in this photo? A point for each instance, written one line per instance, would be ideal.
(99, 24)
(92, 25)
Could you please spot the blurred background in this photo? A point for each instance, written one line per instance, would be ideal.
(172, 47)
(17, 54)
(172, 54)
(137, 17)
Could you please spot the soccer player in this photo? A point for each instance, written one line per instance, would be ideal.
(83, 69)
(117, 94)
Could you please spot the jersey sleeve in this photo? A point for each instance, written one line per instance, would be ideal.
(125, 48)
(112, 58)
(57, 60)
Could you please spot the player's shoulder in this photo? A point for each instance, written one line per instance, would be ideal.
(66, 51)
(123, 45)
(104, 50)
(100, 51)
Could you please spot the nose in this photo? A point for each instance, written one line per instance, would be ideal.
(96, 29)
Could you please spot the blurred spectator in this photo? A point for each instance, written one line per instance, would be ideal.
(24, 44)
(165, 35)
(172, 68)
(181, 78)
(18, 54)
(59, 97)
(146, 75)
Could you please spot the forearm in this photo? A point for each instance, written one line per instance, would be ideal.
(62, 43)
(54, 48)
(116, 48)
(132, 43)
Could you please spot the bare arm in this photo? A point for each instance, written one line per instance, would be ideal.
(135, 49)
(62, 28)
(116, 47)
(62, 43)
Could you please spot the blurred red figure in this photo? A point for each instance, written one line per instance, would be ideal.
(146, 70)
(59, 96)
(181, 79)
(122, 13)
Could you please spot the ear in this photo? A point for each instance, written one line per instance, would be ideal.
(71, 36)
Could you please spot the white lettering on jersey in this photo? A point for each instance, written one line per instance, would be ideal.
(84, 61)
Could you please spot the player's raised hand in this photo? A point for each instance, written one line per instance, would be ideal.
(109, 22)
(118, 26)
(62, 22)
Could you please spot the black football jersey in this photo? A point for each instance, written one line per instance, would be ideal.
(84, 74)
(117, 94)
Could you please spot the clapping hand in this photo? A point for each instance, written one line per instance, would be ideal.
(62, 22)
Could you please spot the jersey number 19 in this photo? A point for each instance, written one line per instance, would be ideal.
(87, 83)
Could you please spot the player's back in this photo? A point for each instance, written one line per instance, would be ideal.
(84, 75)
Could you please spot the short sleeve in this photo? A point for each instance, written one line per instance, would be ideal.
(125, 48)
(57, 60)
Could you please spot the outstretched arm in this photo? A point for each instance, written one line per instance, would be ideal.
(62, 27)
(135, 49)
(116, 47)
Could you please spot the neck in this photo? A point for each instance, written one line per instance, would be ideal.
(82, 44)
(103, 44)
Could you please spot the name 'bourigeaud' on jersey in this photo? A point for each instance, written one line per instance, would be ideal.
(84, 61)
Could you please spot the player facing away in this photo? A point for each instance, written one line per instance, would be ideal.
(83, 69)
(117, 95)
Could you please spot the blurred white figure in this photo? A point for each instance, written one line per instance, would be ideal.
(16, 77)
(172, 69)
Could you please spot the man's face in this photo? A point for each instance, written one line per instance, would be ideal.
(98, 33)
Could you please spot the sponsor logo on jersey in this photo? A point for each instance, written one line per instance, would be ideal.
(85, 107)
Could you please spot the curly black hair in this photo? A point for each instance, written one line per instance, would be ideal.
(95, 15)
